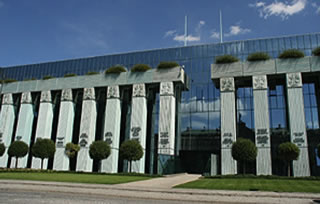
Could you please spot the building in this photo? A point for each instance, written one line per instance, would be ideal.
(212, 106)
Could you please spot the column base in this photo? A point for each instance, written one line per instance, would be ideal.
(228, 164)
(263, 161)
(301, 166)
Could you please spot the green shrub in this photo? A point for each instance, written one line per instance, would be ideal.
(225, 59)
(43, 148)
(47, 77)
(316, 51)
(288, 152)
(131, 150)
(2, 149)
(258, 56)
(92, 73)
(291, 53)
(167, 65)
(30, 79)
(244, 150)
(115, 69)
(71, 150)
(18, 149)
(70, 75)
(99, 150)
(140, 68)
(7, 81)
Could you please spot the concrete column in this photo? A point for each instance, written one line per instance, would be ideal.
(87, 130)
(65, 131)
(24, 127)
(44, 125)
(228, 125)
(262, 124)
(7, 117)
(112, 129)
(298, 134)
(138, 126)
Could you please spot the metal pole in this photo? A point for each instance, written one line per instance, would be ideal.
(185, 30)
(221, 35)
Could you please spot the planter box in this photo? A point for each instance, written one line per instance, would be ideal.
(139, 77)
(226, 70)
(315, 63)
(293, 65)
(259, 68)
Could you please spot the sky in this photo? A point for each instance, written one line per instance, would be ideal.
(35, 31)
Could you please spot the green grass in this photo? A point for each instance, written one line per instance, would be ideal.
(247, 184)
(73, 177)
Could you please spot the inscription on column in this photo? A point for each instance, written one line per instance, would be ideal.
(135, 133)
(60, 142)
(83, 140)
(298, 139)
(227, 140)
(108, 137)
(262, 137)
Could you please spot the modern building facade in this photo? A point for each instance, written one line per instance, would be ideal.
(214, 106)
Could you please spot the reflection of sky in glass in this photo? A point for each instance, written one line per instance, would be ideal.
(277, 106)
(310, 106)
(245, 106)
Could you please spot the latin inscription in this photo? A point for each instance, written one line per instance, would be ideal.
(108, 137)
(262, 137)
(298, 138)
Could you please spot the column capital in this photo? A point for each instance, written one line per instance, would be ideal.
(26, 98)
(45, 97)
(259, 82)
(138, 90)
(7, 99)
(89, 94)
(66, 95)
(113, 92)
(294, 80)
(227, 84)
(166, 88)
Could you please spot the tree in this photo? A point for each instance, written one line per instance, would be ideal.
(288, 152)
(2, 149)
(244, 150)
(99, 150)
(18, 149)
(131, 150)
(43, 149)
(71, 151)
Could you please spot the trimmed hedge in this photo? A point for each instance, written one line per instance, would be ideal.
(225, 59)
(70, 75)
(291, 53)
(140, 68)
(7, 81)
(316, 52)
(167, 65)
(258, 56)
(115, 69)
(47, 77)
(92, 73)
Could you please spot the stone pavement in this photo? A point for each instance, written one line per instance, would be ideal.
(158, 189)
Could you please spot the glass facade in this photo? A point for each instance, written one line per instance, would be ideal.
(200, 106)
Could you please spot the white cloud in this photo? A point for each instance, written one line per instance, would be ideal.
(215, 35)
(170, 33)
(237, 30)
(317, 7)
(278, 8)
(190, 38)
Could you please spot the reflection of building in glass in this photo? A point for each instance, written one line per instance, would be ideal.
(205, 123)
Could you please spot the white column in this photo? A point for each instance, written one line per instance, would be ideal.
(44, 125)
(262, 124)
(24, 127)
(65, 131)
(228, 125)
(298, 134)
(167, 120)
(87, 130)
(7, 117)
(111, 130)
(138, 126)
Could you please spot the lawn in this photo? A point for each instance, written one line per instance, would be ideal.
(261, 184)
(73, 177)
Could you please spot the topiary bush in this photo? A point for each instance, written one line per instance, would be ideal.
(115, 69)
(316, 52)
(99, 150)
(167, 65)
(7, 81)
(18, 149)
(140, 68)
(225, 59)
(43, 148)
(47, 77)
(258, 56)
(244, 151)
(92, 73)
(288, 152)
(2, 149)
(131, 150)
(70, 75)
(291, 53)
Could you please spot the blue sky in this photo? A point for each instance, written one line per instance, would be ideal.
(34, 31)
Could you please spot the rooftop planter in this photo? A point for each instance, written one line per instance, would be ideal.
(92, 73)
(115, 69)
(316, 52)
(7, 81)
(258, 63)
(292, 60)
(226, 66)
(47, 77)
(70, 75)
(140, 68)
(167, 65)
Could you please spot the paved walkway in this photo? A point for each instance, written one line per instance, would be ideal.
(165, 182)
(158, 189)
